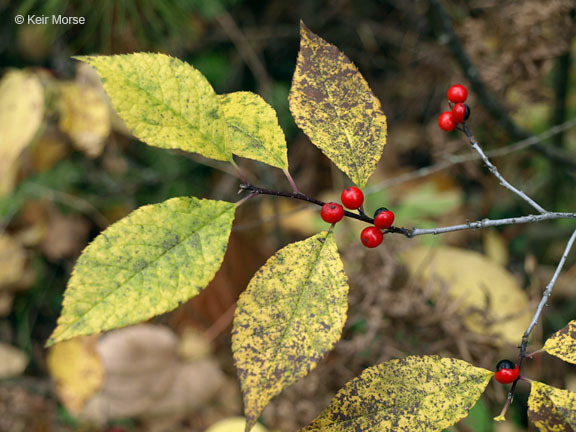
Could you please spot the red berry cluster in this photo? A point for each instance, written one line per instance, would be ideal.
(506, 372)
(459, 113)
(353, 198)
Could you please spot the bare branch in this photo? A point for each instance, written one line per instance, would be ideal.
(497, 174)
(545, 297)
(460, 159)
(484, 223)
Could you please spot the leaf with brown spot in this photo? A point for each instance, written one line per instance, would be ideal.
(413, 394)
(562, 344)
(332, 103)
(552, 409)
(289, 317)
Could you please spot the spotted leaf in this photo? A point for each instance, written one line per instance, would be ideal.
(552, 409)
(146, 264)
(253, 129)
(165, 102)
(289, 317)
(332, 103)
(562, 344)
(414, 394)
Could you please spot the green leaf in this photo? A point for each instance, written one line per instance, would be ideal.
(332, 103)
(146, 264)
(552, 409)
(414, 394)
(562, 344)
(289, 317)
(165, 102)
(253, 129)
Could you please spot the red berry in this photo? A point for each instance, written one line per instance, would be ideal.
(457, 93)
(371, 237)
(506, 372)
(446, 121)
(383, 218)
(460, 112)
(352, 197)
(332, 212)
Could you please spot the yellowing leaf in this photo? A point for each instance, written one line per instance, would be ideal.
(144, 265)
(289, 317)
(562, 344)
(253, 129)
(85, 118)
(332, 103)
(21, 113)
(77, 371)
(165, 102)
(234, 424)
(414, 394)
(478, 284)
(552, 409)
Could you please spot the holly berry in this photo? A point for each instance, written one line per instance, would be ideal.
(506, 372)
(371, 237)
(460, 112)
(446, 121)
(332, 212)
(352, 197)
(457, 93)
(383, 218)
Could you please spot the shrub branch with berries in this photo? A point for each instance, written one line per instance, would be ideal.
(294, 308)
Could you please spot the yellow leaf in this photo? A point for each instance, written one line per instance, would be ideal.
(562, 344)
(289, 317)
(165, 102)
(478, 284)
(145, 264)
(234, 424)
(77, 371)
(253, 129)
(84, 117)
(495, 247)
(414, 394)
(332, 103)
(552, 409)
(21, 113)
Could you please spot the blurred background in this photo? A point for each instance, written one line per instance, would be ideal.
(69, 168)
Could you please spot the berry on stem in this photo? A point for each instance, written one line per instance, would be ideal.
(457, 93)
(352, 197)
(506, 372)
(371, 237)
(383, 218)
(446, 121)
(332, 212)
(460, 112)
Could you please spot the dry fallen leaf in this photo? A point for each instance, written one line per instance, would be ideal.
(234, 424)
(21, 113)
(500, 306)
(77, 371)
(12, 361)
(66, 236)
(85, 118)
(146, 379)
(12, 261)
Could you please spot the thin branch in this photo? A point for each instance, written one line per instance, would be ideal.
(484, 223)
(545, 297)
(460, 159)
(246, 50)
(497, 174)
(490, 103)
